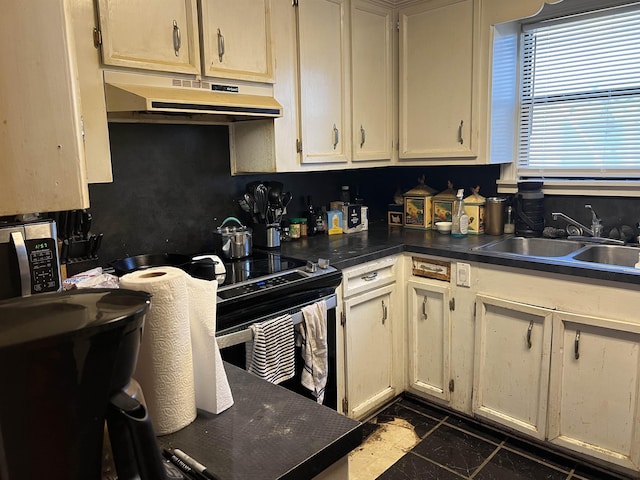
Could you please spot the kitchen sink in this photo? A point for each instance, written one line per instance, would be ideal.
(609, 255)
(538, 247)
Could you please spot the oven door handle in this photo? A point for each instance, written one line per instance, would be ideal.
(245, 335)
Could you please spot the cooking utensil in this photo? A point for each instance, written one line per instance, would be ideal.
(233, 242)
(261, 200)
(140, 262)
(203, 268)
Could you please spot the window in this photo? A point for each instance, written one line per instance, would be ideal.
(580, 96)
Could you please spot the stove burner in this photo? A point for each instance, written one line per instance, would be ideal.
(261, 264)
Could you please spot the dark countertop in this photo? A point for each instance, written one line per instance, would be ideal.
(381, 240)
(269, 433)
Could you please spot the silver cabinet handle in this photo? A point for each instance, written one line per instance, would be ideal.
(220, 45)
(177, 40)
(336, 136)
(362, 136)
(424, 309)
(369, 277)
(384, 312)
(460, 138)
(576, 346)
(529, 333)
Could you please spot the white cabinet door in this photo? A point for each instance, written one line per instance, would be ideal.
(594, 402)
(150, 35)
(323, 81)
(436, 80)
(511, 367)
(42, 156)
(236, 39)
(429, 338)
(368, 333)
(372, 81)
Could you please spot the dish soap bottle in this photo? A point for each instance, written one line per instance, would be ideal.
(459, 218)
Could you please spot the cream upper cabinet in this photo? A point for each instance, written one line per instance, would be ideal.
(323, 81)
(436, 80)
(151, 36)
(42, 156)
(594, 395)
(236, 39)
(371, 81)
(429, 338)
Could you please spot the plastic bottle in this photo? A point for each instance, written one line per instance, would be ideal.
(637, 265)
(459, 218)
(311, 217)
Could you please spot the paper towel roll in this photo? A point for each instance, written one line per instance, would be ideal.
(212, 387)
(165, 362)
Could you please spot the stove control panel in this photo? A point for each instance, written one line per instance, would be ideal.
(260, 284)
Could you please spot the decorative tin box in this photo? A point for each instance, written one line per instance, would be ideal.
(417, 206)
(474, 205)
(443, 204)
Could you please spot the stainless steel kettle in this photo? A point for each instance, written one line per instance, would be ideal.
(233, 242)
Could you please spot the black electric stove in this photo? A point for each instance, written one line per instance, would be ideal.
(267, 282)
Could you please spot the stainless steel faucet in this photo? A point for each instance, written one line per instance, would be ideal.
(596, 223)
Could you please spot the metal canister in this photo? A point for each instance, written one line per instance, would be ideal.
(494, 221)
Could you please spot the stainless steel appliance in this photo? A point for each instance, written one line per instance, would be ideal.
(29, 261)
(267, 285)
(67, 358)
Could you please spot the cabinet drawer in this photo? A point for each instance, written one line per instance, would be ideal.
(368, 276)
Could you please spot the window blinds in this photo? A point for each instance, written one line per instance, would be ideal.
(580, 97)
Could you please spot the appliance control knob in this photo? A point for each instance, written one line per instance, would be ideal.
(311, 267)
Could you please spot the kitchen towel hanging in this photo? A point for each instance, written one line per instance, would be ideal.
(313, 331)
(270, 355)
(166, 369)
(212, 390)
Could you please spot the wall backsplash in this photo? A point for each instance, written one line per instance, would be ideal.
(172, 187)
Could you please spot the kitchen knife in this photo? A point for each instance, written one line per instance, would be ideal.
(85, 225)
(71, 224)
(96, 247)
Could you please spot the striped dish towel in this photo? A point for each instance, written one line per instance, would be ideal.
(271, 353)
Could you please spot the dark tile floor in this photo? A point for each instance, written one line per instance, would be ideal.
(453, 447)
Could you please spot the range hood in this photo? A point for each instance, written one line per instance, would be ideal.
(128, 93)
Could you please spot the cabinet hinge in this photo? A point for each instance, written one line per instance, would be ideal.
(452, 385)
(475, 310)
(398, 25)
(452, 304)
(298, 145)
(343, 318)
(345, 405)
(294, 3)
(97, 37)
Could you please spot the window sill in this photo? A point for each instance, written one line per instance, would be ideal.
(600, 188)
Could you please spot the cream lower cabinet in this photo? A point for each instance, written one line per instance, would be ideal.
(370, 330)
(572, 380)
(511, 368)
(594, 397)
(429, 338)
